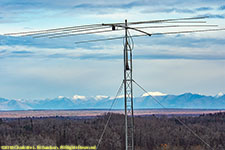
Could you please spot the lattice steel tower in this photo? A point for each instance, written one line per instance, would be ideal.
(128, 93)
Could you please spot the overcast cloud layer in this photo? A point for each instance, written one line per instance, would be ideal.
(46, 68)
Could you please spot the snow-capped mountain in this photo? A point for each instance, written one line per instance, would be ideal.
(220, 94)
(147, 100)
(13, 105)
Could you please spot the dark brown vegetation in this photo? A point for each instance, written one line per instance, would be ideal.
(151, 132)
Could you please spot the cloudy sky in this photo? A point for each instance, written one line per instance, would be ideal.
(47, 68)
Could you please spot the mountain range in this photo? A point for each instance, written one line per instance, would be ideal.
(186, 101)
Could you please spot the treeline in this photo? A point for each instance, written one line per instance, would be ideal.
(151, 132)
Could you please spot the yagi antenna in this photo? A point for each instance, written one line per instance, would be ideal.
(102, 26)
(127, 53)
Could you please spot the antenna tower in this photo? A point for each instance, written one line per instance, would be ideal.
(127, 54)
(128, 93)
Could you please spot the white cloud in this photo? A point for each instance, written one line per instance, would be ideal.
(76, 97)
(120, 96)
(61, 97)
(219, 94)
(100, 97)
(154, 94)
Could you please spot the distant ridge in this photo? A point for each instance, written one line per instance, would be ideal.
(185, 101)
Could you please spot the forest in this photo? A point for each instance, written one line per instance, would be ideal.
(151, 132)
